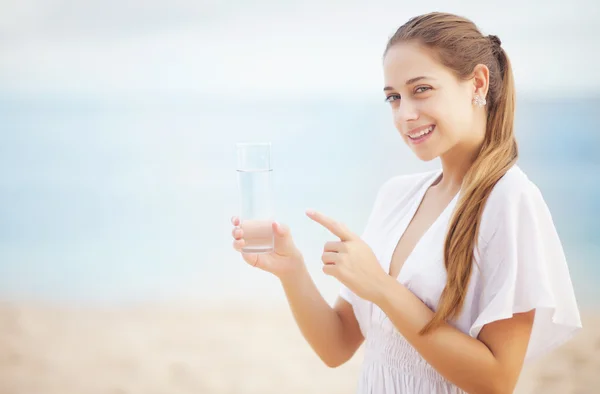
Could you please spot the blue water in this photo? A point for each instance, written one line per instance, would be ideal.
(113, 202)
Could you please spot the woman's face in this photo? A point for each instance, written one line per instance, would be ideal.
(432, 108)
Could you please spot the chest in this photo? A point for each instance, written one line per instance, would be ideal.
(407, 236)
(429, 214)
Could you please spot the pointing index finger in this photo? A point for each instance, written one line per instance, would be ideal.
(333, 226)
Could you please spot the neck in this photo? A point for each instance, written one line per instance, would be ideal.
(455, 164)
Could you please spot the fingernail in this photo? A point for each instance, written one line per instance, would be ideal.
(310, 212)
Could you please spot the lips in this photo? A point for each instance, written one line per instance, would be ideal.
(420, 132)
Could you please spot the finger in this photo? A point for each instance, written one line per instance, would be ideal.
(250, 258)
(235, 220)
(330, 258)
(238, 244)
(334, 227)
(335, 246)
(331, 270)
(237, 233)
(282, 237)
(280, 230)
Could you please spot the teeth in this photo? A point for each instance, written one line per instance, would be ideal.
(421, 133)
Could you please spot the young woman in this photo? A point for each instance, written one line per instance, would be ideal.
(459, 275)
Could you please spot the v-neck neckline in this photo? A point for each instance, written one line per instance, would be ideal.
(408, 218)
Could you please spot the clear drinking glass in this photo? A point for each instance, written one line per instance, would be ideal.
(255, 187)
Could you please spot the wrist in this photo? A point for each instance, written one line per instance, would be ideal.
(296, 269)
(385, 288)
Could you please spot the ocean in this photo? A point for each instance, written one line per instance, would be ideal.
(130, 201)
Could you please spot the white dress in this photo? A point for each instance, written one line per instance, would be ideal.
(522, 266)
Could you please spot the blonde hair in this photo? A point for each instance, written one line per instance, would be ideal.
(459, 45)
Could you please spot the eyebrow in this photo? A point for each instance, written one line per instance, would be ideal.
(409, 82)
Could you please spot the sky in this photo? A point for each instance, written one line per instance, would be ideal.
(134, 48)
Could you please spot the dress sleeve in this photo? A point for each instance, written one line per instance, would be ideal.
(523, 267)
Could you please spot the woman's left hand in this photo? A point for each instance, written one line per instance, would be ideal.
(351, 260)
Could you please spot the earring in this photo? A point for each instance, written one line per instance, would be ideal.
(479, 101)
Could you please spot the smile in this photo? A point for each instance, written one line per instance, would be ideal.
(421, 135)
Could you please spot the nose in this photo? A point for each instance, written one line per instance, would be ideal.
(405, 112)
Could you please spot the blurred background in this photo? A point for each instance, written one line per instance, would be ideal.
(118, 124)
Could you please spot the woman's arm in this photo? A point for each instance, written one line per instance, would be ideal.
(333, 333)
(490, 364)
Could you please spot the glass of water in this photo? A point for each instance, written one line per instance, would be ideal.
(256, 196)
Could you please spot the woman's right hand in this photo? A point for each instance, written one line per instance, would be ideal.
(283, 261)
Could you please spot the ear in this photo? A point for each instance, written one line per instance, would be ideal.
(481, 80)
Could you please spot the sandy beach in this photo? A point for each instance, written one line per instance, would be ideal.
(199, 349)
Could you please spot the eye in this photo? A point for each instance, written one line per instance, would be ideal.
(422, 89)
(392, 97)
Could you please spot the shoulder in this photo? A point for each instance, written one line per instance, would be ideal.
(514, 198)
(514, 185)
